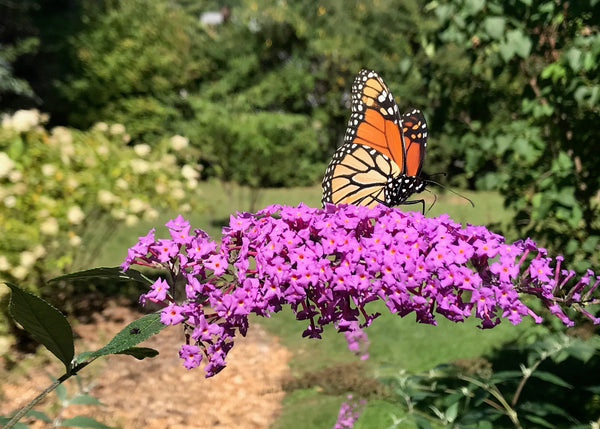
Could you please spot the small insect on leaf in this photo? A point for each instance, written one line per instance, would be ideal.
(134, 331)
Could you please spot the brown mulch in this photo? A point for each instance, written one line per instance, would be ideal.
(160, 392)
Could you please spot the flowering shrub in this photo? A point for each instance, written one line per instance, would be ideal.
(60, 185)
(328, 264)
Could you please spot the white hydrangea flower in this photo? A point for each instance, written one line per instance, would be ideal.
(189, 172)
(116, 129)
(39, 251)
(101, 126)
(121, 183)
(67, 152)
(178, 194)
(179, 143)
(27, 259)
(15, 176)
(10, 201)
(61, 136)
(106, 198)
(118, 213)
(160, 188)
(131, 220)
(142, 150)
(49, 226)
(25, 120)
(4, 264)
(74, 240)
(136, 205)
(19, 272)
(6, 165)
(75, 215)
(102, 150)
(151, 214)
(48, 170)
(140, 166)
(72, 183)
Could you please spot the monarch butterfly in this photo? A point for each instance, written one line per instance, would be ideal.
(383, 151)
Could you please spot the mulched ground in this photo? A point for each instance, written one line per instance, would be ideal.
(159, 392)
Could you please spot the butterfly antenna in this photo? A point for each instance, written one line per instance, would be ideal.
(432, 203)
(447, 188)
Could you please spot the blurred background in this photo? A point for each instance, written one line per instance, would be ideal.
(119, 114)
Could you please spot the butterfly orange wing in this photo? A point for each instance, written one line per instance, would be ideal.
(375, 119)
(414, 131)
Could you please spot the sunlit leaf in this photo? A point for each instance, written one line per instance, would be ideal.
(134, 333)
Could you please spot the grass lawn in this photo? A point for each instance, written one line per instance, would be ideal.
(397, 343)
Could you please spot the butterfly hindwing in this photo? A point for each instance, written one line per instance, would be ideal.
(414, 131)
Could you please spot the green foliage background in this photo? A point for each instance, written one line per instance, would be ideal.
(510, 89)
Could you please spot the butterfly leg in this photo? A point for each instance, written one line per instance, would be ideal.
(421, 201)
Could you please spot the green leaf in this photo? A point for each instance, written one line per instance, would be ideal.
(562, 162)
(566, 196)
(471, 7)
(501, 376)
(587, 96)
(507, 50)
(593, 389)
(18, 425)
(591, 243)
(452, 412)
(584, 350)
(134, 333)
(39, 415)
(555, 71)
(573, 57)
(84, 399)
(539, 421)
(551, 378)
(61, 391)
(589, 61)
(532, 409)
(494, 26)
(43, 322)
(140, 352)
(114, 273)
(520, 42)
(84, 422)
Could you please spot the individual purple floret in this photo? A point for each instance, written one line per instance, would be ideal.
(328, 264)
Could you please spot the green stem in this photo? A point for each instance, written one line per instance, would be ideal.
(45, 392)
(508, 409)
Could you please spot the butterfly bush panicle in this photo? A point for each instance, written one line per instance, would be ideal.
(328, 264)
(350, 411)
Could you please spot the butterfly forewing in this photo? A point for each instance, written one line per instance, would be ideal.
(375, 117)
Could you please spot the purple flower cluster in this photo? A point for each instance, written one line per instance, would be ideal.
(328, 264)
(350, 411)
